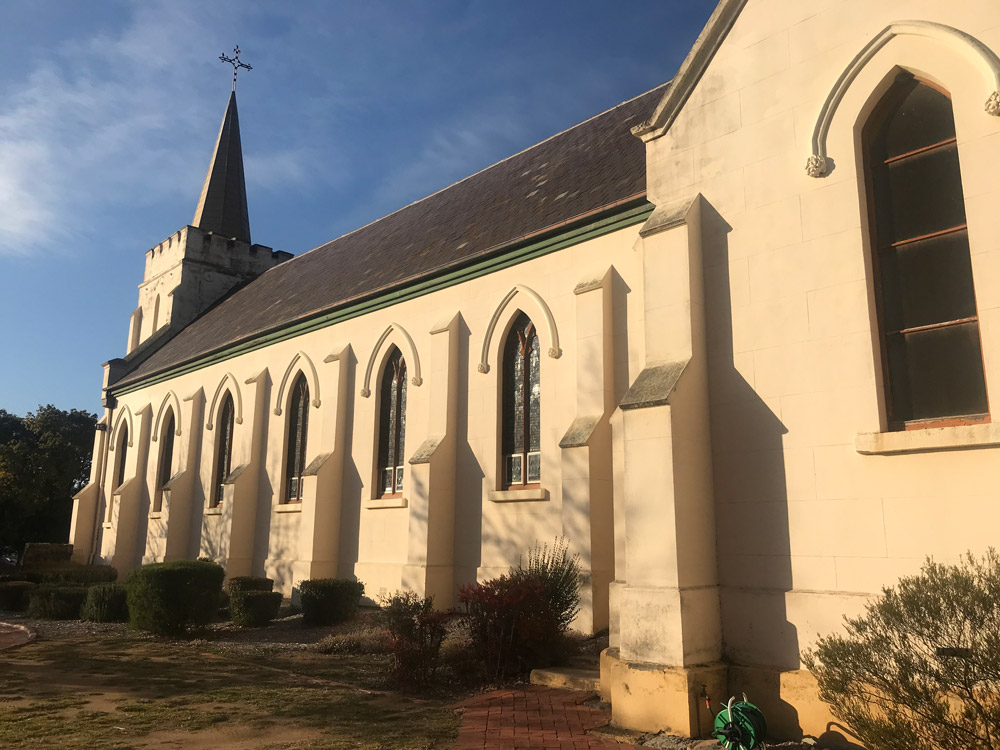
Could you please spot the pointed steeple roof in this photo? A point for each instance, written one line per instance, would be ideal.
(222, 207)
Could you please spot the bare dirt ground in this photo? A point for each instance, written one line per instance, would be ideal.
(101, 687)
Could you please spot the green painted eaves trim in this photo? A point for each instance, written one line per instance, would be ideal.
(621, 218)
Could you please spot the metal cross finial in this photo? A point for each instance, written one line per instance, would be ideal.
(235, 62)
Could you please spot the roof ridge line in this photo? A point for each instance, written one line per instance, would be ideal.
(478, 172)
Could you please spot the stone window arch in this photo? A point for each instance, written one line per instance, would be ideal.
(391, 428)
(520, 406)
(223, 465)
(296, 435)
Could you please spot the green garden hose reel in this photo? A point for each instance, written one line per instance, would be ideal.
(740, 726)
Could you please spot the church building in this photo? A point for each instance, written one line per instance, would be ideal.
(736, 339)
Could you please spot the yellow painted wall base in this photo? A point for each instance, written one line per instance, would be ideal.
(652, 697)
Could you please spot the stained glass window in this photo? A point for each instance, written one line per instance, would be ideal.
(392, 425)
(298, 415)
(521, 408)
(929, 327)
(224, 448)
(166, 459)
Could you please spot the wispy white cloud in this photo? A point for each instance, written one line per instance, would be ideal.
(87, 130)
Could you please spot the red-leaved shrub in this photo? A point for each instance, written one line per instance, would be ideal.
(512, 625)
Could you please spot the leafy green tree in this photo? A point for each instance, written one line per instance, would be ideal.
(44, 461)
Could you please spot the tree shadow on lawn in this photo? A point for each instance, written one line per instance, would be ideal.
(119, 691)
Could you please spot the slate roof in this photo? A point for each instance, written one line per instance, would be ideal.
(592, 166)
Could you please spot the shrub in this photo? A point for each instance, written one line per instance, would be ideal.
(71, 574)
(518, 621)
(167, 598)
(326, 601)
(56, 602)
(921, 667)
(105, 602)
(511, 624)
(415, 633)
(14, 595)
(253, 609)
(248, 583)
(361, 642)
(559, 573)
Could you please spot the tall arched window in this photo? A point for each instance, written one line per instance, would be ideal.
(521, 408)
(122, 455)
(392, 425)
(926, 301)
(298, 425)
(165, 467)
(223, 448)
(119, 475)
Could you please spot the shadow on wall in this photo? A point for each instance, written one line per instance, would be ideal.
(835, 738)
(754, 549)
(468, 476)
(350, 502)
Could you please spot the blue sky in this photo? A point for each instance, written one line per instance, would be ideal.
(109, 112)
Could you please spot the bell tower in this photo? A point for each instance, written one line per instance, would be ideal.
(199, 264)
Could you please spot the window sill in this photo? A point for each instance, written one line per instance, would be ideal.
(518, 496)
(216, 511)
(931, 439)
(288, 508)
(156, 515)
(389, 501)
(106, 525)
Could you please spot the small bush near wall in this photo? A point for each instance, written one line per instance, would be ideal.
(168, 598)
(921, 667)
(327, 601)
(253, 609)
(14, 595)
(248, 583)
(71, 574)
(56, 602)
(105, 602)
(416, 632)
(510, 623)
(518, 622)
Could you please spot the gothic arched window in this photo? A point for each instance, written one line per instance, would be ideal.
(298, 425)
(223, 448)
(929, 328)
(165, 467)
(122, 454)
(521, 406)
(392, 425)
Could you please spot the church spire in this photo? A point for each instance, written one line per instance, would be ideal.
(222, 208)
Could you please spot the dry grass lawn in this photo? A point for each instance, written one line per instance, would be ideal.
(127, 691)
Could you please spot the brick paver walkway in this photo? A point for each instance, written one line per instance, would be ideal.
(533, 717)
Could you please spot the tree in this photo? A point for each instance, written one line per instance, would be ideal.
(44, 461)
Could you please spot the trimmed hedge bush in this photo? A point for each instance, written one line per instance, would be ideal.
(71, 574)
(253, 609)
(14, 595)
(105, 602)
(327, 601)
(56, 602)
(248, 583)
(168, 598)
